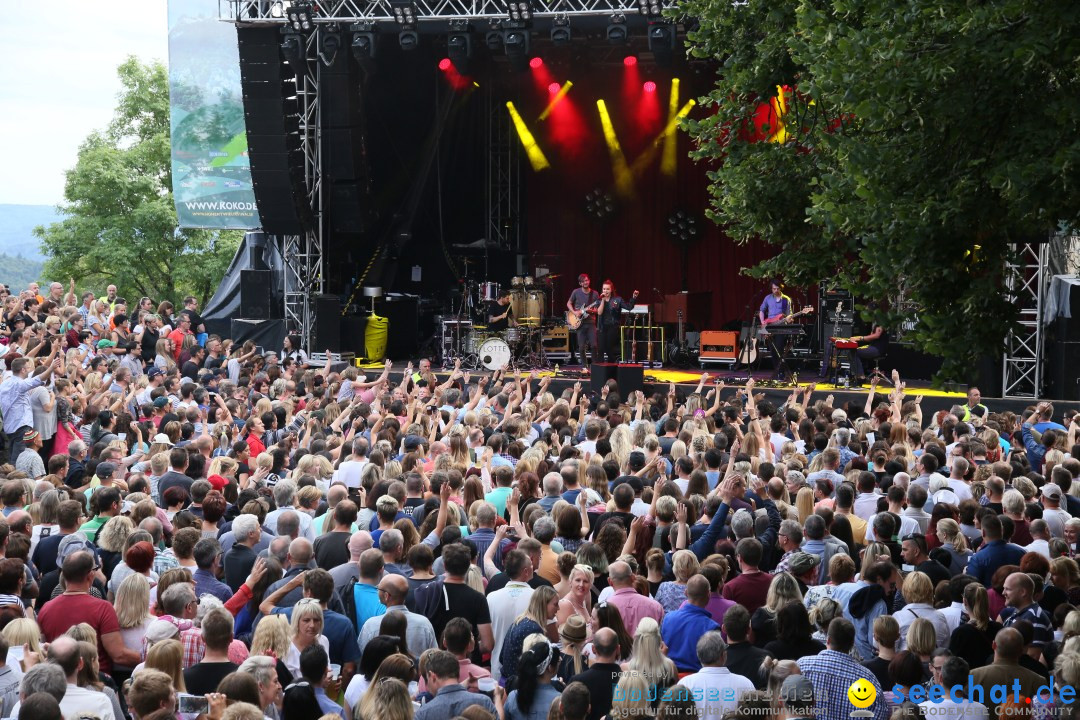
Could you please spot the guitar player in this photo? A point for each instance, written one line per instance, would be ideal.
(584, 303)
(774, 308)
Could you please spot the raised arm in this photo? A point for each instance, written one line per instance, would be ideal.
(270, 601)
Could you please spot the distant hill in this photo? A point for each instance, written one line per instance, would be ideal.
(17, 223)
(18, 272)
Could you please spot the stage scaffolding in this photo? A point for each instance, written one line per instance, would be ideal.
(427, 11)
(1026, 285)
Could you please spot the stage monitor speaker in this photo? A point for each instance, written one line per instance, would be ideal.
(273, 124)
(629, 376)
(327, 310)
(269, 335)
(255, 294)
(719, 344)
(403, 316)
(600, 373)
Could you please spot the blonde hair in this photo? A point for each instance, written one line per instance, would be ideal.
(537, 608)
(633, 697)
(301, 611)
(950, 531)
(133, 601)
(23, 631)
(783, 589)
(222, 465)
(685, 565)
(272, 635)
(388, 699)
(115, 533)
(646, 659)
(921, 637)
(168, 657)
(804, 503)
(917, 588)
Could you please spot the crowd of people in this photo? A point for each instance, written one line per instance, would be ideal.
(192, 528)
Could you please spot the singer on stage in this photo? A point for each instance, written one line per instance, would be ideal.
(609, 321)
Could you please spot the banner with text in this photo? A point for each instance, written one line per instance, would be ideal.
(211, 174)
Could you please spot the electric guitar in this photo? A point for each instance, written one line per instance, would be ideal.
(788, 318)
(678, 352)
(574, 317)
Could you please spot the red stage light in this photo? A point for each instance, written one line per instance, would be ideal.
(445, 64)
(649, 86)
(553, 88)
(629, 61)
(536, 63)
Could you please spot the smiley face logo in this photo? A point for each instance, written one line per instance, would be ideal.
(862, 693)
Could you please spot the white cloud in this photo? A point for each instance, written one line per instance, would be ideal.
(62, 85)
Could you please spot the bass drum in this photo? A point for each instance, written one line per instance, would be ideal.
(494, 354)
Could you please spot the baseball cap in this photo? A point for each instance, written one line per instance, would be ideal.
(161, 402)
(797, 689)
(1051, 490)
(154, 372)
(160, 630)
(74, 543)
(105, 344)
(105, 469)
(803, 562)
(161, 439)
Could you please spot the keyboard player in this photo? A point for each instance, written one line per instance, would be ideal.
(870, 346)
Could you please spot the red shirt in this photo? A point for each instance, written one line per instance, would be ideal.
(255, 445)
(749, 590)
(63, 611)
(177, 336)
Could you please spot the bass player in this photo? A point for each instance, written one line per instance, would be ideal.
(583, 305)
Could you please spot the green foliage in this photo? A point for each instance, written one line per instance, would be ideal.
(17, 272)
(120, 225)
(925, 139)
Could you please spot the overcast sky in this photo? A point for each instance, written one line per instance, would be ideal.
(61, 83)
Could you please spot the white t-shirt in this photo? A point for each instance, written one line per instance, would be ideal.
(292, 658)
(349, 473)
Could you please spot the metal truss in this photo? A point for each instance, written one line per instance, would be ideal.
(353, 11)
(503, 177)
(1026, 285)
(303, 254)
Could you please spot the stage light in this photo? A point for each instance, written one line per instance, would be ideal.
(493, 38)
(651, 8)
(404, 13)
(445, 64)
(616, 30)
(516, 42)
(294, 50)
(408, 40)
(682, 226)
(560, 30)
(299, 15)
(364, 45)
(599, 205)
(532, 148)
(560, 93)
(519, 10)
(669, 160)
(624, 181)
(459, 44)
(536, 63)
(329, 44)
(630, 60)
(649, 86)
(554, 88)
(662, 42)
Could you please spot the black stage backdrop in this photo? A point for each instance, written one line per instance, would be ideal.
(425, 153)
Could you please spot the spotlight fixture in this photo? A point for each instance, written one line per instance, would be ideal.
(682, 226)
(599, 205)
(516, 42)
(365, 44)
(408, 39)
(459, 44)
(616, 30)
(404, 13)
(299, 15)
(560, 30)
(519, 10)
(329, 44)
(662, 42)
(294, 50)
(651, 8)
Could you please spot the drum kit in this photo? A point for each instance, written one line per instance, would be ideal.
(466, 336)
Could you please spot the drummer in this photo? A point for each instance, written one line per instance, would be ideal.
(500, 314)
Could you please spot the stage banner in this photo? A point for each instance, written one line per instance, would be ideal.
(210, 171)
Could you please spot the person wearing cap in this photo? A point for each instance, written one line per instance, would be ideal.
(15, 399)
(717, 690)
(29, 460)
(797, 698)
(804, 567)
(1054, 516)
(155, 377)
(572, 636)
(682, 628)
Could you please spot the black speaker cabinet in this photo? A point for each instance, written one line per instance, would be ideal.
(327, 323)
(629, 376)
(255, 294)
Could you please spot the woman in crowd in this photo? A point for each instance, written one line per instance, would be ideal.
(533, 693)
(793, 634)
(578, 601)
(543, 606)
(671, 595)
(572, 638)
(648, 656)
(133, 610)
(974, 639)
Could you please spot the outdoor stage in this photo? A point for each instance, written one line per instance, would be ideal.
(657, 380)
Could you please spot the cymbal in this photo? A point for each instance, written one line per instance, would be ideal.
(479, 327)
(529, 320)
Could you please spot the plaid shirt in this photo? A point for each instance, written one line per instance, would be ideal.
(831, 674)
(164, 560)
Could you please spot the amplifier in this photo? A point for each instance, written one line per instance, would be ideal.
(719, 345)
(556, 339)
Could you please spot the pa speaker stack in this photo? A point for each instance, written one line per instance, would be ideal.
(272, 116)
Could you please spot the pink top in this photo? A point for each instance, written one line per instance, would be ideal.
(633, 606)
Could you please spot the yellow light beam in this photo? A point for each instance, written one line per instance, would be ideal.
(643, 160)
(624, 181)
(555, 100)
(532, 148)
(669, 161)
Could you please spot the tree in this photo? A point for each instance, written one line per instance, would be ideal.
(921, 141)
(120, 225)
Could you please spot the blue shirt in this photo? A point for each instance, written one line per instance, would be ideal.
(450, 701)
(326, 705)
(773, 307)
(367, 602)
(990, 557)
(339, 633)
(832, 673)
(207, 584)
(681, 631)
